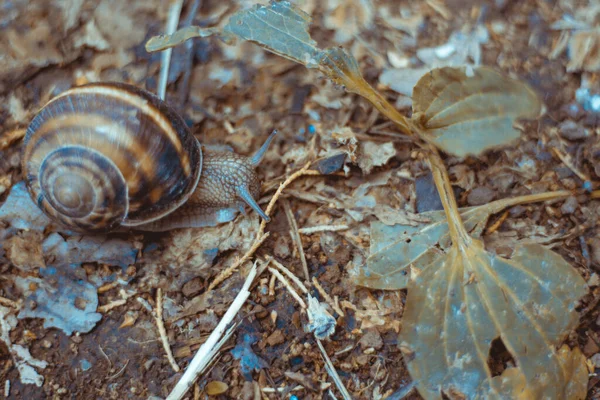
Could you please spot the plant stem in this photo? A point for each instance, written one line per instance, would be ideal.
(458, 233)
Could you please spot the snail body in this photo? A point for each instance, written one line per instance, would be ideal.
(111, 156)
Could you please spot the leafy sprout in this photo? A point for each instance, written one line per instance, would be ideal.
(460, 297)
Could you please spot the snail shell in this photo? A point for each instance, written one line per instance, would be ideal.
(104, 156)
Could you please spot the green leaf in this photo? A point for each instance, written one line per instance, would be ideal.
(461, 301)
(466, 115)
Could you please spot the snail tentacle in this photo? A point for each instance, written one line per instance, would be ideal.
(245, 195)
(260, 153)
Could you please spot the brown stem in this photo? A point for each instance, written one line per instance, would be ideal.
(458, 233)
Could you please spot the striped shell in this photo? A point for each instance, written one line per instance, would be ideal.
(105, 155)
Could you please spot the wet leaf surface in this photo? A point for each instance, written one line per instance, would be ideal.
(461, 301)
(466, 115)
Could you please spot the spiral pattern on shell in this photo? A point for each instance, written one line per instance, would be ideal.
(108, 154)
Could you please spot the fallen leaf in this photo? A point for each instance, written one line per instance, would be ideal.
(69, 304)
(395, 248)
(449, 324)
(21, 212)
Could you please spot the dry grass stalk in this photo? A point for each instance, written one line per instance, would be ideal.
(163, 332)
(296, 237)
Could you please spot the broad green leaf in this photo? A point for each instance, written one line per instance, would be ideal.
(461, 301)
(466, 115)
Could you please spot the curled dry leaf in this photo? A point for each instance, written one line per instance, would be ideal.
(466, 115)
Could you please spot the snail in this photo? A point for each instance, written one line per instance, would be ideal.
(110, 156)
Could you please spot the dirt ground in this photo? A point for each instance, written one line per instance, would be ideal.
(235, 95)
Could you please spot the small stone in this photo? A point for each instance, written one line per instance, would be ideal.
(192, 288)
(594, 244)
(281, 249)
(596, 360)
(572, 131)
(428, 198)
(331, 164)
(371, 339)
(480, 195)
(76, 339)
(362, 359)
(260, 312)
(570, 205)
(275, 338)
(85, 365)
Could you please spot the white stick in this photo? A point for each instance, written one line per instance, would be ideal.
(207, 351)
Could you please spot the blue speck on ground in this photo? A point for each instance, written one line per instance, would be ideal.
(85, 365)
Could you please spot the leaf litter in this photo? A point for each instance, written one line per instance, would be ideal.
(528, 301)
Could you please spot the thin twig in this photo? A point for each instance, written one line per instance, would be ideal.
(172, 22)
(113, 304)
(323, 228)
(296, 237)
(163, 332)
(333, 373)
(10, 137)
(208, 349)
(9, 303)
(290, 275)
(226, 273)
(288, 286)
(566, 159)
(327, 297)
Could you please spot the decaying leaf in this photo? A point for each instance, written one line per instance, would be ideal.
(466, 115)
(462, 300)
(395, 248)
(26, 364)
(21, 212)
(69, 304)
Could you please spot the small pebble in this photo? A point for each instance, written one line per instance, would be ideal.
(192, 288)
(569, 206)
(282, 249)
(331, 164)
(572, 131)
(480, 195)
(371, 339)
(85, 365)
